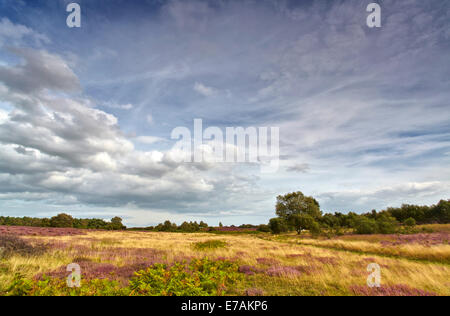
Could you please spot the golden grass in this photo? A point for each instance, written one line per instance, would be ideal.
(330, 271)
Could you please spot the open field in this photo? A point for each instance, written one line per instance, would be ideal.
(265, 264)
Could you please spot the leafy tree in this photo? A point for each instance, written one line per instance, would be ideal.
(61, 220)
(298, 210)
(301, 222)
(441, 212)
(116, 223)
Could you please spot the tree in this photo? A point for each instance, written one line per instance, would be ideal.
(386, 224)
(220, 224)
(116, 223)
(301, 221)
(441, 212)
(278, 225)
(298, 210)
(61, 220)
(364, 225)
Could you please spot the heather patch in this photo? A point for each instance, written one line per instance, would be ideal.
(254, 292)
(327, 260)
(14, 245)
(267, 261)
(432, 239)
(282, 271)
(39, 231)
(309, 269)
(95, 270)
(250, 270)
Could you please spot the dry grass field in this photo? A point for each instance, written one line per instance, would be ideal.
(268, 264)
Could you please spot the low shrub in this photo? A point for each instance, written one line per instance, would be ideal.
(201, 277)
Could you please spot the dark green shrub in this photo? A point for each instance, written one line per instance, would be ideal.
(410, 222)
(264, 228)
(278, 225)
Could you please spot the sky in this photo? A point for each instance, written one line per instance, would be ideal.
(86, 114)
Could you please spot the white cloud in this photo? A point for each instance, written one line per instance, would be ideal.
(204, 90)
(149, 139)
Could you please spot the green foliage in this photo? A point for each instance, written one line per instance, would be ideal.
(210, 244)
(278, 225)
(61, 220)
(386, 224)
(296, 203)
(365, 225)
(57, 287)
(264, 228)
(201, 277)
(304, 221)
(410, 222)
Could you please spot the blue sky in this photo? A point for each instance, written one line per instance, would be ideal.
(86, 113)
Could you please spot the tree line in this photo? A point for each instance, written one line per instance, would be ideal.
(297, 212)
(64, 221)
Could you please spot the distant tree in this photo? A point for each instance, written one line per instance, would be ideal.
(441, 212)
(61, 220)
(220, 224)
(297, 203)
(298, 210)
(116, 224)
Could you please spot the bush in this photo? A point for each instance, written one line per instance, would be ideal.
(264, 228)
(364, 225)
(410, 222)
(201, 277)
(278, 225)
(210, 244)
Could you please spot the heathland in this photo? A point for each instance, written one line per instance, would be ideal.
(34, 262)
